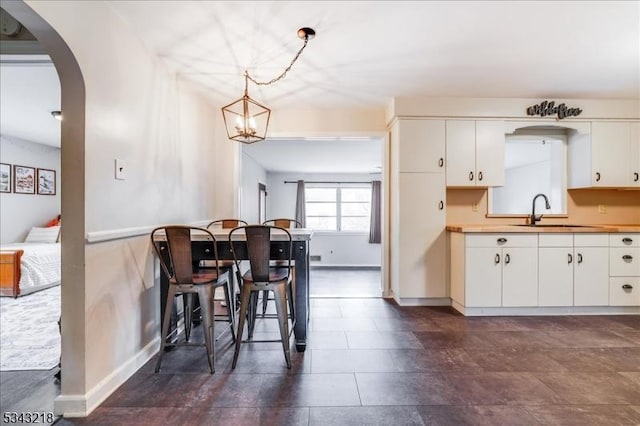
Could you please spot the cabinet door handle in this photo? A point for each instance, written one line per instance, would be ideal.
(441, 162)
(470, 175)
(497, 259)
(627, 257)
(627, 240)
(441, 205)
(627, 287)
(579, 258)
(502, 240)
(479, 175)
(597, 176)
(570, 260)
(636, 176)
(507, 259)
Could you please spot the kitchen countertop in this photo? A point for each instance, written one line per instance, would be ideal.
(542, 228)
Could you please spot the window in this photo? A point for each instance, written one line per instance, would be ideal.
(534, 164)
(338, 208)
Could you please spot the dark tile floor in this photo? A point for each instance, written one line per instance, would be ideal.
(372, 362)
(345, 282)
(28, 391)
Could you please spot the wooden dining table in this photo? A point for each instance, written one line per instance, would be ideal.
(201, 250)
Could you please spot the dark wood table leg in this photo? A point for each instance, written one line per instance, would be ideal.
(301, 257)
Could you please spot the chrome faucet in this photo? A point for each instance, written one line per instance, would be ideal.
(534, 218)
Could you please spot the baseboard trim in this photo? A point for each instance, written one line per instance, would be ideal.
(83, 405)
(542, 311)
(362, 267)
(422, 301)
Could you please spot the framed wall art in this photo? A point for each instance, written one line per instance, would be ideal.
(24, 180)
(5, 177)
(46, 182)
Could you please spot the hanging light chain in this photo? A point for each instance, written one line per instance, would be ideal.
(284, 73)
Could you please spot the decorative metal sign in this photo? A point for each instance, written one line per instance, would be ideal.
(546, 108)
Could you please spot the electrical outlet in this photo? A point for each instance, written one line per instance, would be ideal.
(602, 208)
(474, 207)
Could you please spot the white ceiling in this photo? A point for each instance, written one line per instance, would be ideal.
(29, 91)
(364, 54)
(367, 52)
(318, 155)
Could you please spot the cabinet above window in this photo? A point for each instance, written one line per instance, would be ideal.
(475, 153)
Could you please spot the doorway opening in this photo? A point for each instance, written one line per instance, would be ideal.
(337, 176)
(262, 202)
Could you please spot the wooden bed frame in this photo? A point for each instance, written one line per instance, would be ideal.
(10, 272)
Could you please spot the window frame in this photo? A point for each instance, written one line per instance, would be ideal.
(529, 134)
(338, 206)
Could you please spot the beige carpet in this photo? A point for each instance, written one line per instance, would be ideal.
(29, 335)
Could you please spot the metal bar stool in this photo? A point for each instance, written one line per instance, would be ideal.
(287, 224)
(227, 265)
(262, 277)
(178, 265)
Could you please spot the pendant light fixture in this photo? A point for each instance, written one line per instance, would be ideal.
(246, 120)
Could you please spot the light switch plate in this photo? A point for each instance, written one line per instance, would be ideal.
(121, 171)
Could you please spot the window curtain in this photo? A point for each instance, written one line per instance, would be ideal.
(300, 202)
(375, 228)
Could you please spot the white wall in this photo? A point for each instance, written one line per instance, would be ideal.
(336, 249)
(546, 174)
(345, 249)
(252, 174)
(515, 197)
(177, 172)
(19, 212)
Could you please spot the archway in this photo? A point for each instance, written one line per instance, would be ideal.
(72, 196)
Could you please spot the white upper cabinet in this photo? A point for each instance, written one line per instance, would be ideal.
(475, 153)
(610, 153)
(609, 158)
(490, 139)
(422, 145)
(461, 153)
(634, 158)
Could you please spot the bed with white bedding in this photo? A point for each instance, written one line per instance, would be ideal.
(28, 267)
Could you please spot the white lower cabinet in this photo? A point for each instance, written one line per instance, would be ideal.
(501, 270)
(624, 270)
(555, 276)
(591, 276)
(624, 291)
(520, 276)
(573, 273)
(484, 277)
(624, 261)
(544, 270)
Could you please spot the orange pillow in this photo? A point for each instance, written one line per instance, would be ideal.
(53, 222)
